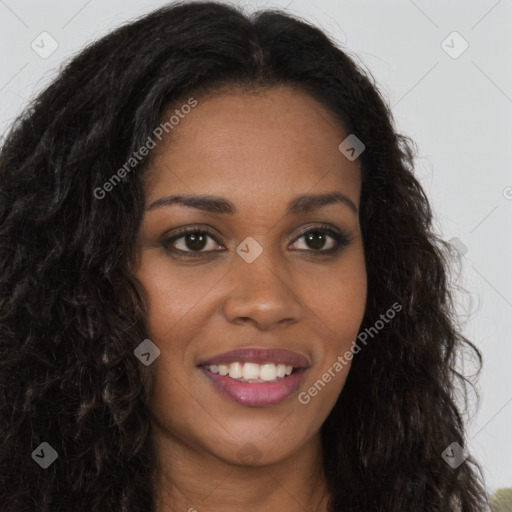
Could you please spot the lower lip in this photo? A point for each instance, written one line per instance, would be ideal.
(257, 394)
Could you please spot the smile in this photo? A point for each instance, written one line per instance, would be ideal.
(256, 377)
(252, 372)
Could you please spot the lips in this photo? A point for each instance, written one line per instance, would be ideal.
(256, 393)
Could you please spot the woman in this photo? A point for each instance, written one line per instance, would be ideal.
(220, 288)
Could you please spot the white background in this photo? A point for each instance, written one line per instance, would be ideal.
(458, 110)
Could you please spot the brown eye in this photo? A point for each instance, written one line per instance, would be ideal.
(317, 237)
(194, 241)
(191, 241)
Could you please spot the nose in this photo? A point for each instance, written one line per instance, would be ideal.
(263, 294)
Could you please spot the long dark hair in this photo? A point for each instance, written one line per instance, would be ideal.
(72, 313)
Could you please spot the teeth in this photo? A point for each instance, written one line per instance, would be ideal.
(252, 372)
(268, 372)
(235, 370)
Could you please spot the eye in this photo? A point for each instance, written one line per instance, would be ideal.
(193, 241)
(316, 238)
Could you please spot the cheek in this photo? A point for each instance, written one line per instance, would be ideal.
(173, 294)
(338, 299)
(338, 306)
(340, 302)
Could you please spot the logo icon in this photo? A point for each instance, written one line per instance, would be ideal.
(44, 45)
(457, 244)
(351, 147)
(454, 455)
(249, 249)
(454, 45)
(249, 454)
(44, 455)
(147, 352)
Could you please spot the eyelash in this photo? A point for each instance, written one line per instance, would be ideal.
(341, 239)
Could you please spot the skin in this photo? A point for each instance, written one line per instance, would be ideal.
(258, 150)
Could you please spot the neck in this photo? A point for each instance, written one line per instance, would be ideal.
(194, 481)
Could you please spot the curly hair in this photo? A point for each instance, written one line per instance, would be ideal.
(72, 312)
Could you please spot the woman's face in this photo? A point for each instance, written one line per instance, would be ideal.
(256, 284)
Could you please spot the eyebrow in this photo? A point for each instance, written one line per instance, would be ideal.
(214, 204)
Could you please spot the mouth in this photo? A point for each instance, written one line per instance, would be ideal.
(252, 372)
(256, 377)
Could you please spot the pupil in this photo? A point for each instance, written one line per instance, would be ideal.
(196, 239)
(319, 242)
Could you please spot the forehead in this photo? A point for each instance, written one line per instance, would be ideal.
(254, 145)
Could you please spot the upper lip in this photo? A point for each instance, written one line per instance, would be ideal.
(258, 356)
